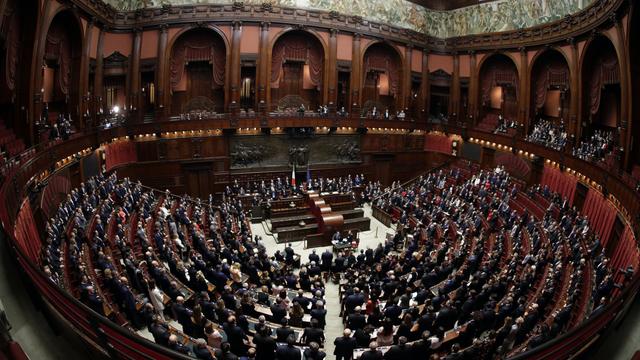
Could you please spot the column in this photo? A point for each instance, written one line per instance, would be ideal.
(134, 83)
(625, 92)
(454, 98)
(98, 80)
(574, 92)
(356, 77)
(162, 85)
(83, 91)
(332, 71)
(263, 77)
(406, 86)
(425, 86)
(473, 88)
(524, 87)
(235, 67)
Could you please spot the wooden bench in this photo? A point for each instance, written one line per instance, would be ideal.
(296, 233)
(282, 222)
(360, 224)
(351, 214)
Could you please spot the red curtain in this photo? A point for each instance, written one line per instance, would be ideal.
(498, 74)
(605, 73)
(26, 233)
(553, 76)
(198, 46)
(58, 46)
(122, 152)
(13, 48)
(297, 47)
(437, 143)
(559, 182)
(383, 59)
(601, 214)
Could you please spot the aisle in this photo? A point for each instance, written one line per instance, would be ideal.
(368, 239)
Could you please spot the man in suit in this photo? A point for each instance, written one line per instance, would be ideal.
(373, 353)
(288, 351)
(183, 315)
(160, 331)
(357, 320)
(319, 313)
(327, 259)
(265, 344)
(344, 346)
(224, 353)
(176, 346)
(314, 352)
(235, 336)
(313, 334)
(400, 351)
(284, 331)
(278, 311)
(300, 299)
(201, 351)
(353, 300)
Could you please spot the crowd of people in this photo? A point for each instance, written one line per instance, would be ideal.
(374, 113)
(595, 147)
(549, 134)
(505, 125)
(161, 259)
(462, 261)
(61, 128)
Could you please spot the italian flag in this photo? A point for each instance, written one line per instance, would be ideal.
(293, 175)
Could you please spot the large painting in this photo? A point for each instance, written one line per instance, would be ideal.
(281, 150)
(500, 15)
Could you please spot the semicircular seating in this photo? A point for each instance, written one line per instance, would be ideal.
(475, 267)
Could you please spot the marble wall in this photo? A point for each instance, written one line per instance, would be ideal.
(500, 15)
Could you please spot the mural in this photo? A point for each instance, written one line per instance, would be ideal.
(500, 15)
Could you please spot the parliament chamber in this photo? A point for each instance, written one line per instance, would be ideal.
(319, 179)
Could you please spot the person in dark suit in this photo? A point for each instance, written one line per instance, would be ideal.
(314, 352)
(265, 344)
(300, 299)
(319, 313)
(201, 351)
(327, 259)
(288, 351)
(160, 331)
(312, 334)
(183, 315)
(94, 301)
(278, 311)
(177, 346)
(284, 331)
(224, 353)
(373, 353)
(235, 336)
(400, 351)
(353, 300)
(357, 320)
(344, 346)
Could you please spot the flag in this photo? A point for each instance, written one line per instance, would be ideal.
(293, 175)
